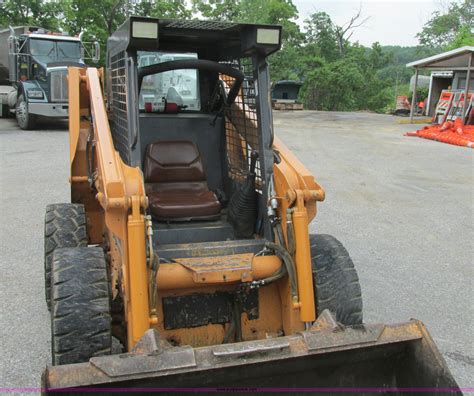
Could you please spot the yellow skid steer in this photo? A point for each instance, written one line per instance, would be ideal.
(184, 259)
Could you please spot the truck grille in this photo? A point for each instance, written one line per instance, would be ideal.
(59, 86)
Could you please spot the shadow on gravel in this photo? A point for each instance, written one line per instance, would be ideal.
(48, 125)
(9, 125)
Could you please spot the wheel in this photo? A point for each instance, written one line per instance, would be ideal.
(336, 284)
(23, 117)
(64, 226)
(80, 305)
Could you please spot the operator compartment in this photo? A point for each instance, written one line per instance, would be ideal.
(190, 122)
(183, 157)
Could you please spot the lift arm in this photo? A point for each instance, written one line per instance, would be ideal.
(112, 192)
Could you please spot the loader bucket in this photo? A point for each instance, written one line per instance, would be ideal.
(395, 359)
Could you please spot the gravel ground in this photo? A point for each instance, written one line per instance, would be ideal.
(402, 206)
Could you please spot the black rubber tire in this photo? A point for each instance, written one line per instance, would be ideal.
(24, 118)
(64, 226)
(81, 324)
(336, 284)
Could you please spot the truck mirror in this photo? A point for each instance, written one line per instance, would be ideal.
(96, 56)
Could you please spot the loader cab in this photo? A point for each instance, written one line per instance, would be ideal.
(189, 105)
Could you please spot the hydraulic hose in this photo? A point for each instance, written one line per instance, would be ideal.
(154, 263)
(289, 265)
(230, 331)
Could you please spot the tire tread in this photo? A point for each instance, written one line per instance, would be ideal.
(336, 283)
(80, 310)
(64, 226)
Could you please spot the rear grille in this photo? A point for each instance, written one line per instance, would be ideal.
(59, 86)
(199, 25)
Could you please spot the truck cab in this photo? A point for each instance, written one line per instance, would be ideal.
(37, 72)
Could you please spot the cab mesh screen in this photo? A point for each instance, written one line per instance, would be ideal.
(242, 125)
(118, 106)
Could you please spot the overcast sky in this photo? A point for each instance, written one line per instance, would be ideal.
(390, 22)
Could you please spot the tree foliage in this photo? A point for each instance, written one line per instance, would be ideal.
(332, 86)
(217, 10)
(452, 27)
(463, 37)
(30, 12)
(341, 75)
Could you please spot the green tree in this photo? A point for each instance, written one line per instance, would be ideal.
(341, 75)
(463, 37)
(444, 27)
(217, 10)
(345, 31)
(321, 38)
(285, 63)
(394, 74)
(98, 20)
(378, 58)
(278, 12)
(333, 86)
(30, 13)
(161, 9)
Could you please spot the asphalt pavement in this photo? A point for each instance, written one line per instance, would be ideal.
(403, 207)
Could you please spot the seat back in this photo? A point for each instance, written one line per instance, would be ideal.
(173, 161)
(198, 128)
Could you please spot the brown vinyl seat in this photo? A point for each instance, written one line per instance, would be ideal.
(175, 182)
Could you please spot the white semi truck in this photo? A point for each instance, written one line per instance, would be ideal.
(33, 72)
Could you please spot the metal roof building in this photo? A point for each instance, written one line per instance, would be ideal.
(459, 59)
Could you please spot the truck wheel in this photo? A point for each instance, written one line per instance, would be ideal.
(64, 226)
(336, 284)
(25, 120)
(80, 305)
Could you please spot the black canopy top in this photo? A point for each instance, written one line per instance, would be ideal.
(218, 39)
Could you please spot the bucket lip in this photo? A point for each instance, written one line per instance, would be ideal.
(430, 390)
(258, 389)
(174, 361)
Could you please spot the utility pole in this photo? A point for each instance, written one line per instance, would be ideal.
(413, 98)
(466, 89)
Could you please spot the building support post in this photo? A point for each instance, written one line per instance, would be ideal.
(413, 98)
(466, 89)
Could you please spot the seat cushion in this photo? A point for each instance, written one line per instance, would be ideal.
(173, 161)
(175, 182)
(182, 201)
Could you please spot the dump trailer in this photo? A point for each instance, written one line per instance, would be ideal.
(184, 259)
(285, 95)
(33, 72)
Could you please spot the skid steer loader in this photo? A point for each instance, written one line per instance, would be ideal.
(184, 259)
